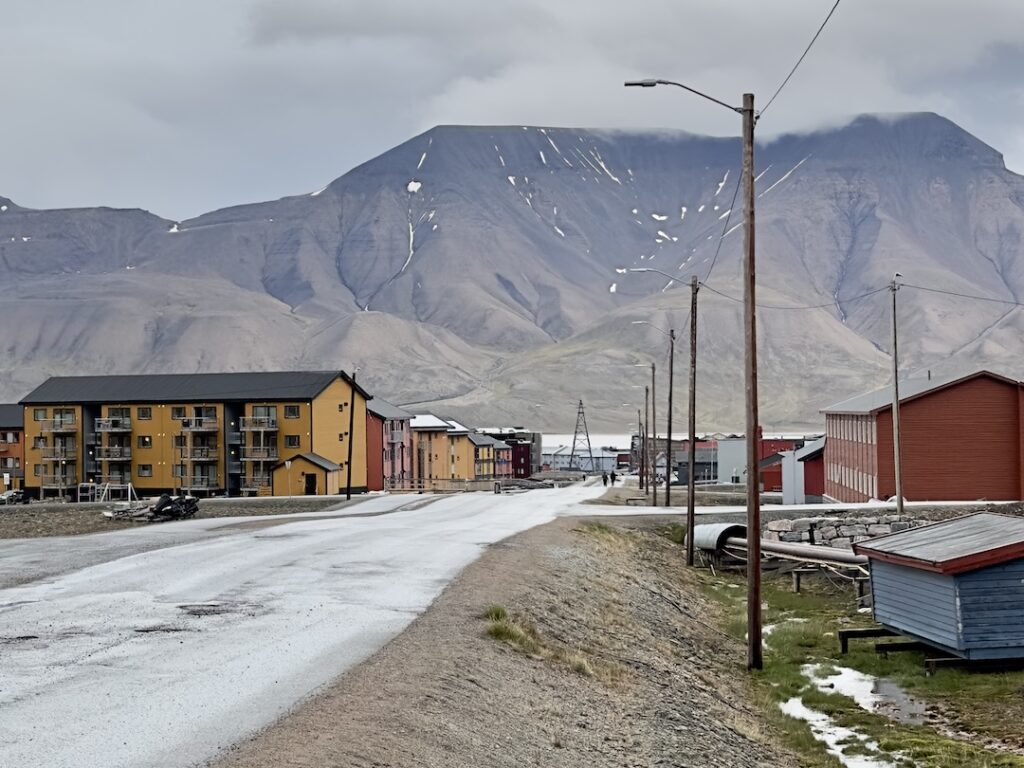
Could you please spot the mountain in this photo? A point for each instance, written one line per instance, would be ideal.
(472, 270)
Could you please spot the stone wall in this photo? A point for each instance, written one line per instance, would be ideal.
(837, 531)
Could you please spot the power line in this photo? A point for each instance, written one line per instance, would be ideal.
(962, 295)
(725, 229)
(800, 60)
(804, 306)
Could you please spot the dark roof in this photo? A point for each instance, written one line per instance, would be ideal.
(313, 458)
(477, 439)
(811, 451)
(386, 410)
(881, 398)
(952, 546)
(769, 461)
(12, 415)
(186, 387)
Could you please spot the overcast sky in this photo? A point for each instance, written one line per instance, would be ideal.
(188, 106)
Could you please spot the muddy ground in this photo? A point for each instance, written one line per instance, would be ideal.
(600, 651)
(23, 521)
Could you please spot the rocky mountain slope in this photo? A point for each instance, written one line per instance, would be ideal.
(472, 270)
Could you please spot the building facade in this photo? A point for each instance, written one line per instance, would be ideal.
(937, 463)
(203, 434)
(12, 447)
(389, 445)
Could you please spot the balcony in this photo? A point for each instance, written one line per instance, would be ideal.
(199, 483)
(397, 436)
(200, 453)
(200, 424)
(63, 424)
(259, 453)
(6, 448)
(114, 480)
(58, 452)
(255, 483)
(113, 425)
(250, 423)
(56, 481)
(112, 453)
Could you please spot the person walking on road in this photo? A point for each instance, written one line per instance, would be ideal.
(604, 479)
(613, 478)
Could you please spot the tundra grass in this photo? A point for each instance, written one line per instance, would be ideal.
(982, 710)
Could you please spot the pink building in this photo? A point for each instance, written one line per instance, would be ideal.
(396, 441)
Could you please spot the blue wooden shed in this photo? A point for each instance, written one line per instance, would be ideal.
(957, 585)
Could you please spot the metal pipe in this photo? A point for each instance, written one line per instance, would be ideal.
(803, 551)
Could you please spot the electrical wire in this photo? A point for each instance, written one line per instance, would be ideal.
(962, 295)
(725, 230)
(804, 306)
(800, 60)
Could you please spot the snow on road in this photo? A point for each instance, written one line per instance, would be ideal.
(162, 646)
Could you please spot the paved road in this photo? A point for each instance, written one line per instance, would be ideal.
(161, 646)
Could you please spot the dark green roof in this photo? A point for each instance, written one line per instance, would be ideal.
(186, 387)
(315, 459)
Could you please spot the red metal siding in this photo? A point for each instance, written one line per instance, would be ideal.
(374, 452)
(963, 442)
(814, 476)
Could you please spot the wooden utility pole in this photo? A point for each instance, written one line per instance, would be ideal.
(692, 425)
(647, 436)
(754, 654)
(896, 454)
(668, 439)
(639, 449)
(654, 448)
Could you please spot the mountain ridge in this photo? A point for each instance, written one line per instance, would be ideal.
(464, 267)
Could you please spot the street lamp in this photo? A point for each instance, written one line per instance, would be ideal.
(652, 463)
(671, 334)
(754, 650)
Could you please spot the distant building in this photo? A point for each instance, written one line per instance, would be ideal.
(525, 447)
(12, 446)
(199, 433)
(389, 445)
(559, 457)
(961, 440)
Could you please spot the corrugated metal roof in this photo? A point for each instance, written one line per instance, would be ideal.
(881, 398)
(481, 440)
(12, 416)
(186, 387)
(386, 410)
(952, 546)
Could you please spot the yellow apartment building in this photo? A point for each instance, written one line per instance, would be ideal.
(431, 451)
(483, 456)
(266, 433)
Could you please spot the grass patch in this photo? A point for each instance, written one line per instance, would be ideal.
(675, 533)
(521, 634)
(991, 706)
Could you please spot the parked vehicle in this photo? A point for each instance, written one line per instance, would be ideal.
(165, 508)
(12, 497)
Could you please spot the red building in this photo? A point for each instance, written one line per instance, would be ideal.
(374, 451)
(388, 445)
(12, 446)
(771, 473)
(961, 439)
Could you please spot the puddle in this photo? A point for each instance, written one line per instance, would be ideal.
(872, 694)
(836, 738)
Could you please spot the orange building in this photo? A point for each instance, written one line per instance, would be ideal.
(205, 434)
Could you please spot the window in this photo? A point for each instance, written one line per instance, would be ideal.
(38, 442)
(178, 470)
(145, 470)
(38, 414)
(341, 407)
(145, 441)
(291, 411)
(291, 441)
(264, 411)
(119, 413)
(37, 469)
(144, 414)
(180, 441)
(341, 437)
(178, 412)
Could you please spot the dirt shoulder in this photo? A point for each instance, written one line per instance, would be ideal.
(602, 652)
(28, 521)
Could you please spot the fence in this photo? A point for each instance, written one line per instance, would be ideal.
(437, 485)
